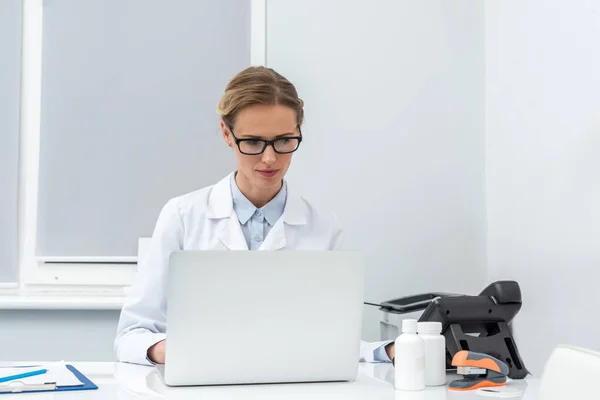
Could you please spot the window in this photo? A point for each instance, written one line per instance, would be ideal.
(118, 110)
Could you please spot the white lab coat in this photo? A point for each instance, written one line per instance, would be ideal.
(205, 220)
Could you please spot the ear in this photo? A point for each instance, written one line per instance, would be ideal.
(226, 134)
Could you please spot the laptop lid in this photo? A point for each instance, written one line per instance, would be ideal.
(237, 317)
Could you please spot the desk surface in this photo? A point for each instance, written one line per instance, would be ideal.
(128, 382)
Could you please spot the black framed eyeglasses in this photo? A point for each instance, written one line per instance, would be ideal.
(255, 146)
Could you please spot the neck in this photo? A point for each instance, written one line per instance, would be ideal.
(259, 197)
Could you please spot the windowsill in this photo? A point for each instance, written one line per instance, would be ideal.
(16, 301)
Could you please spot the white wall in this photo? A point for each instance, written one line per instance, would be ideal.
(57, 335)
(543, 166)
(10, 79)
(394, 134)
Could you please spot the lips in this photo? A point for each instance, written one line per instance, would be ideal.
(268, 173)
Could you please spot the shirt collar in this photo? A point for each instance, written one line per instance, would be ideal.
(245, 209)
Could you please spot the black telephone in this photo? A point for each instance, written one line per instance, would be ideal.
(477, 323)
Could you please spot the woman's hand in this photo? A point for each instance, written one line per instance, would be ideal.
(156, 353)
(390, 349)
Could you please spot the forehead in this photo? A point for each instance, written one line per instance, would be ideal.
(266, 121)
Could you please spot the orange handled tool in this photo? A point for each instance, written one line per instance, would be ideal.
(479, 371)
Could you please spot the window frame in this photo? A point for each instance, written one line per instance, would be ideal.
(89, 275)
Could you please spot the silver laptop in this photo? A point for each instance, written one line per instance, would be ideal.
(243, 317)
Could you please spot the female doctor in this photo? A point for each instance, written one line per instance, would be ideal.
(251, 209)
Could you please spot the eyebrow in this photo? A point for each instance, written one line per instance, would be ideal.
(283, 135)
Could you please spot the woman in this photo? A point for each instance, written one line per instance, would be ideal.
(261, 115)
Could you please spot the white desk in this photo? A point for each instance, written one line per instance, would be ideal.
(129, 382)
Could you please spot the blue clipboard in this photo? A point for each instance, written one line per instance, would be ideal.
(87, 384)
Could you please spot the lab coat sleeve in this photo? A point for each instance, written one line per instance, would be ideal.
(143, 317)
(374, 352)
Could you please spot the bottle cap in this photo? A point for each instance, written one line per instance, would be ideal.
(409, 326)
(430, 327)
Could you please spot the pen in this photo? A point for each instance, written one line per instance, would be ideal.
(23, 375)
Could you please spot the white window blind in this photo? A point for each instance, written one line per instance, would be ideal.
(128, 115)
(10, 72)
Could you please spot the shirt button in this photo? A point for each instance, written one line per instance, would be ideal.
(257, 238)
(258, 213)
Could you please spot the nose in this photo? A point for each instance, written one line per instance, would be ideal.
(268, 156)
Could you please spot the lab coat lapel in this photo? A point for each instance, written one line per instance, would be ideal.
(294, 215)
(231, 235)
(276, 239)
(220, 208)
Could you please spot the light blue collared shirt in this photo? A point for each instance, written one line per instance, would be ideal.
(257, 222)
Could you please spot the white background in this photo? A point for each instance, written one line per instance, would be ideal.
(394, 97)
(543, 166)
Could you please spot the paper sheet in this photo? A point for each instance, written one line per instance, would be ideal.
(501, 391)
(57, 372)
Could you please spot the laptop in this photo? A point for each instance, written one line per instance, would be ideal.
(250, 317)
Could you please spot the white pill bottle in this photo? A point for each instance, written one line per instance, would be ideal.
(435, 352)
(409, 358)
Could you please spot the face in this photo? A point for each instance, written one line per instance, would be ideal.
(266, 170)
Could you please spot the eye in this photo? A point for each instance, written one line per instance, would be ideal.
(253, 142)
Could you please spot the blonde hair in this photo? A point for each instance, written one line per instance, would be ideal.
(258, 85)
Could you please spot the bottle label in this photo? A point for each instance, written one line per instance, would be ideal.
(420, 364)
